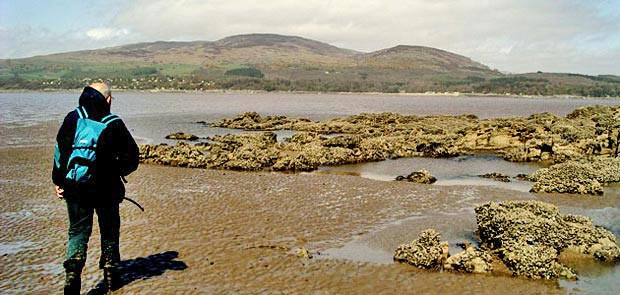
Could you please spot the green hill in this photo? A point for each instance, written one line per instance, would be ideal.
(276, 62)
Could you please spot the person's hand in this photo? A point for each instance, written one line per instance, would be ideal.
(59, 192)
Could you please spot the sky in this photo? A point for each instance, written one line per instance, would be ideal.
(514, 36)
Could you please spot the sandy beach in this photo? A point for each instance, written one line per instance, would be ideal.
(222, 232)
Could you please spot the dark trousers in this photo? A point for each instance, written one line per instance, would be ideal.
(80, 228)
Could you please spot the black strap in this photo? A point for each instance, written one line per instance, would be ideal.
(109, 119)
(134, 202)
(81, 113)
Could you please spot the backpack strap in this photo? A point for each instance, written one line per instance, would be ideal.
(109, 119)
(82, 112)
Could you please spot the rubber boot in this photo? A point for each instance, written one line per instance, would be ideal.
(73, 283)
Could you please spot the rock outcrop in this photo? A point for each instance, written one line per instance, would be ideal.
(523, 177)
(303, 253)
(577, 177)
(471, 260)
(181, 155)
(427, 251)
(496, 176)
(529, 236)
(254, 121)
(182, 136)
(586, 133)
(421, 176)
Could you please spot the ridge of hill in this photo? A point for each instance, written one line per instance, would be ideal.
(278, 62)
(421, 56)
(267, 50)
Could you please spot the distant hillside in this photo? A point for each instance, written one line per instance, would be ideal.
(277, 62)
(255, 49)
(403, 57)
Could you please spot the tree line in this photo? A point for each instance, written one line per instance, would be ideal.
(252, 80)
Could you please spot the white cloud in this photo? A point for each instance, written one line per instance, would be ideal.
(25, 40)
(106, 33)
(510, 35)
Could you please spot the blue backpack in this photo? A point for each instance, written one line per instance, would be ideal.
(81, 163)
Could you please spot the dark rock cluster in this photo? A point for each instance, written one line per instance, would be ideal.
(182, 136)
(254, 121)
(304, 151)
(429, 252)
(496, 176)
(577, 177)
(181, 155)
(472, 260)
(422, 176)
(586, 133)
(529, 236)
(592, 130)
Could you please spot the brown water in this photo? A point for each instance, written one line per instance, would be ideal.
(354, 222)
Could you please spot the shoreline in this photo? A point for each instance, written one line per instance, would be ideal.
(225, 91)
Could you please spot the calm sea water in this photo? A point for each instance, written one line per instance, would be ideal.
(36, 107)
(151, 116)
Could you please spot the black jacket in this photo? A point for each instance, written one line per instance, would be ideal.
(117, 153)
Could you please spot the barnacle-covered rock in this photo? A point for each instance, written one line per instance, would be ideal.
(471, 260)
(255, 138)
(567, 178)
(181, 154)
(182, 136)
(535, 262)
(254, 121)
(345, 141)
(437, 149)
(605, 250)
(586, 133)
(421, 176)
(427, 251)
(522, 177)
(577, 177)
(607, 169)
(305, 138)
(529, 235)
(245, 151)
(518, 154)
(496, 176)
(303, 253)
(594, 112)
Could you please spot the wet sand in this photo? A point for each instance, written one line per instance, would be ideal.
(225, 232)
(234, 232)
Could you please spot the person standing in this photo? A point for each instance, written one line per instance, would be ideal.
(94, 151)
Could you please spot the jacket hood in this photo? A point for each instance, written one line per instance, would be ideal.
(94, 102)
